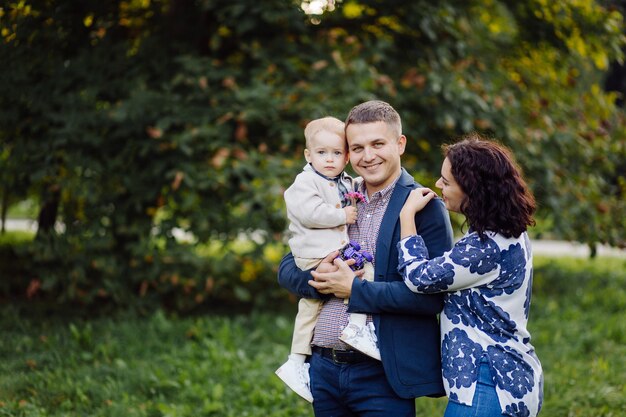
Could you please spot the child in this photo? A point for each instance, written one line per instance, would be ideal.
(319, 208)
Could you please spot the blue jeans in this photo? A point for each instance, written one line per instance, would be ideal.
(350, 390)
(485, 402)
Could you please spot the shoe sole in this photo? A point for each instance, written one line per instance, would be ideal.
(303, 395)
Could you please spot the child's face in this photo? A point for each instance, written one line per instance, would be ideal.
(328, 153)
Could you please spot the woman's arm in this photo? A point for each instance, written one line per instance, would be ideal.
(418, 199)
(472, 262)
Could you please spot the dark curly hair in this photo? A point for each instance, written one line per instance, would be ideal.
(497, 198)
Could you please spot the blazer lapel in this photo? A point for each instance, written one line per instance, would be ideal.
(385, 235)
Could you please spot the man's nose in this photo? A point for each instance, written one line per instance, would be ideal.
(368, 154)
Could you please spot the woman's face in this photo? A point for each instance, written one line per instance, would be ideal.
(451, 192)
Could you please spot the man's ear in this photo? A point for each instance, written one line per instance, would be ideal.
(401, 144)
(307, 155)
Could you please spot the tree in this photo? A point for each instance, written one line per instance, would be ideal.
(137, 121)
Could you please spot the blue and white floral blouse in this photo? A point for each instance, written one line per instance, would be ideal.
(488, 286)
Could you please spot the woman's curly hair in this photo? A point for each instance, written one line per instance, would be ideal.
(497, 198)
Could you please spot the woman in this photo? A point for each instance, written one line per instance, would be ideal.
(489, 366)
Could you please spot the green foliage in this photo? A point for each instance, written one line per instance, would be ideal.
(164, 365)
(132, 122)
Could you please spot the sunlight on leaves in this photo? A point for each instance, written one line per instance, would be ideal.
(317, 7)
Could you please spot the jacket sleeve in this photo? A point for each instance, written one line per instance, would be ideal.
(433, 225)
(296, 280)
(307, 205)
(393, 296)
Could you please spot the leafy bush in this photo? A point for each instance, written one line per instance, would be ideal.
(13, 264)
(237, 275)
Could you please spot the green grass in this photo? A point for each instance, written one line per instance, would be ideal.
(156, 366)
(578, 323)
(211, 365)
(16, 237)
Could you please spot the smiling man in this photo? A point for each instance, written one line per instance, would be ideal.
(343, 381)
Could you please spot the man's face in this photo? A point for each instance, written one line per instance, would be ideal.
(375, 152)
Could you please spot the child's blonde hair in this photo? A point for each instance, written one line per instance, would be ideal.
(329, 124)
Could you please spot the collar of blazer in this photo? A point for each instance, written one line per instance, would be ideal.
(384, 244)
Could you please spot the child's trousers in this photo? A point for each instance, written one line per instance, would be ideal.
(309, 310)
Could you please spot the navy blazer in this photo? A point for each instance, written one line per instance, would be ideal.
(406, 323)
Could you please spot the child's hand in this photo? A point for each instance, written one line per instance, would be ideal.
(350, 214)
(417, 201)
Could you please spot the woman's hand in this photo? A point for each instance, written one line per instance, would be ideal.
(416, 201)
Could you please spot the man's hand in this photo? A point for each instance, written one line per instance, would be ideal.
(327, 263)
(337, 281)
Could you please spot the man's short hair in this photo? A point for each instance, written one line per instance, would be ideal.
(329, 124)
(375, 111)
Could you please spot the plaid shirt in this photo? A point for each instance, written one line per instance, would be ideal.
(334, 314)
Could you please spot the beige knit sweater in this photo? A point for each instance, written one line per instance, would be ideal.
(317, 220)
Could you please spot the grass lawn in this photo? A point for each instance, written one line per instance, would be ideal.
(213, 365)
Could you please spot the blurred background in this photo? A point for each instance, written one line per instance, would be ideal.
(146, 144)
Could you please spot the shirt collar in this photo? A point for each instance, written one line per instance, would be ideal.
(384, 193)
(338, 178)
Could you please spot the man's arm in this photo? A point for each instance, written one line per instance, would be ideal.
(295, 280)
(391, 297)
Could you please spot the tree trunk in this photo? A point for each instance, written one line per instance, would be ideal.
(49, 209)
(4, 209)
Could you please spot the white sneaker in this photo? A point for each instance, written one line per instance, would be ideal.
(362, 338)
(296, 376)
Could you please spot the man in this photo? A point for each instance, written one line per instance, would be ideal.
(343, 381)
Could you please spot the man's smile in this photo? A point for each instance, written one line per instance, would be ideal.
(371, 167)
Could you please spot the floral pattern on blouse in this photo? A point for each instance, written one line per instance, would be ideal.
(487, 285)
